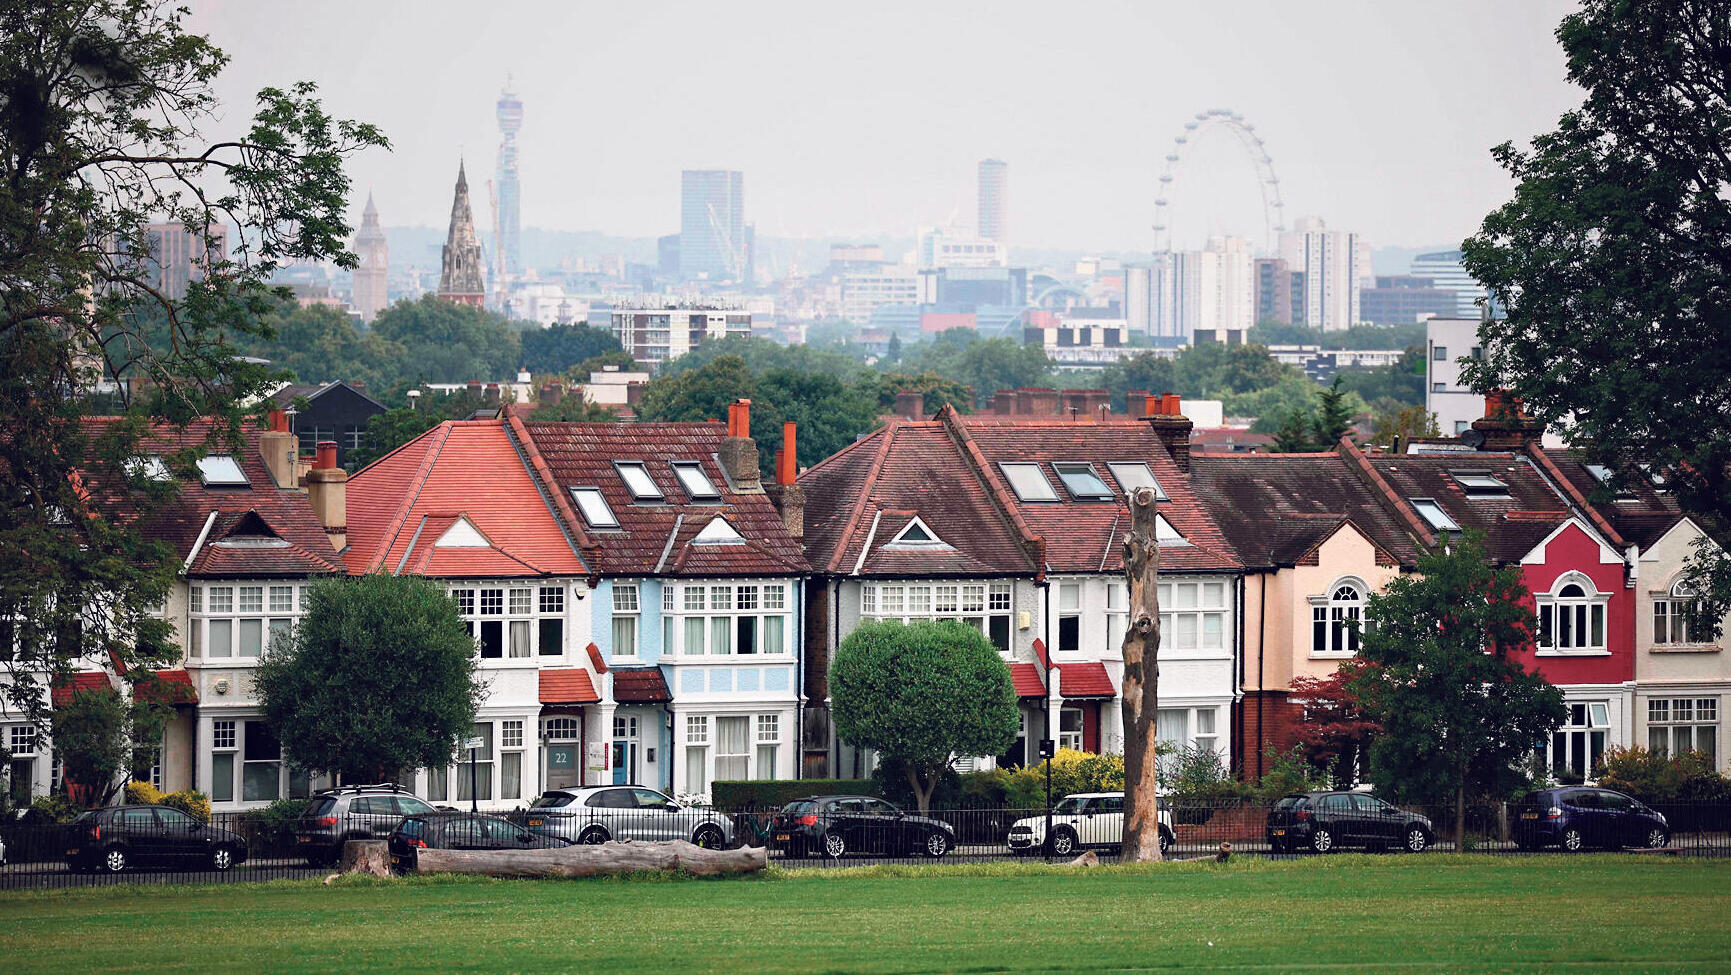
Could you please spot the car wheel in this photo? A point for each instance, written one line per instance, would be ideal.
(1166, 840)
(222, 858)
(593, 836)
(1322, 841)
(834, 846)
(1416, 840)
(114, 861)
(937, 844)
(709, 837)
(1063, 841)
(1658, 839)
(1572, 840)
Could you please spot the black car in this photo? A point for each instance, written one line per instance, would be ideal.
(838, 825)
(1326, 821)
(1574, 818)
(352, 812)
(461, 831)
(124, 837)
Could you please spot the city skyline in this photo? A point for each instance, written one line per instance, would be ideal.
(1390, 137)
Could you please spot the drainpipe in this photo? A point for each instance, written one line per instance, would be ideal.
(799, 684)
(1045, 582)
(1238, 673)
(835, 641)
(672, 749)
(1261, 674)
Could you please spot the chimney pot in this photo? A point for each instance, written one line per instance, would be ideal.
(1171, 405)
(327, 456)
(279, 422)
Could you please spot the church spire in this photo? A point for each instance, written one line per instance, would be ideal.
(460, 278)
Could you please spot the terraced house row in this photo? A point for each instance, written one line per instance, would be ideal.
(648, 609)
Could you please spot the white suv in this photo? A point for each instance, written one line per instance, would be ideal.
(622, 812)
(1086, 819)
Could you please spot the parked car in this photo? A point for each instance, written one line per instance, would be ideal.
(352, 812)
(1080, 821)
(1325, 821)
(1574, 818)
(623, 812)
(120, 838)
(838, 825)
(461, 831)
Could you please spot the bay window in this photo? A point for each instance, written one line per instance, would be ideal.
(1679, 725)
(1572, 616)
(513, 622)
(223, 739)
(696, 753)
(1577, 746)
(239, 621)
(477, 784)
(978, 604)
(1193, 616)
(726, 619)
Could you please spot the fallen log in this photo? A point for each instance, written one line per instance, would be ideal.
(594, 860)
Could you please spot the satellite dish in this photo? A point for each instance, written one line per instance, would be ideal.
(1473, 438)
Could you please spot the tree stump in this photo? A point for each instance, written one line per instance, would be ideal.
(1088, 859)
(367, 856)
(586, 860)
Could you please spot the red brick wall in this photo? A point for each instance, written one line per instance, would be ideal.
(1277, 724)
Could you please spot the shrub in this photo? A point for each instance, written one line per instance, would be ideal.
(273, 826)
(1287, 773)
(51, 810)
(143, 794)
(1655, 777)
(1189, 772)
(1072, 771)
(192, 802)
(767, 794)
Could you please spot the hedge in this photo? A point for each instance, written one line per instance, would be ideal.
(760, 793)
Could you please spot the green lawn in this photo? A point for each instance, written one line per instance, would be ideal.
(1395, 913)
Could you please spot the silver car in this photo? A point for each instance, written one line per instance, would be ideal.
(623, 812)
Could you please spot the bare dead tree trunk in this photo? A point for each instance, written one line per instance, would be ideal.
(594, 861)
(1141, 682)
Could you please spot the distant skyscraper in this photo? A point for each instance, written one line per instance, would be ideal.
(712, 241)
(176, 257)
(994, 174)
(1446, 270)
(510, 112)
(1335, 265)
(375, 255)
(460, 277)
(1204, 296)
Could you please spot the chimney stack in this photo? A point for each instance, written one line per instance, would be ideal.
(739, 451)
(786, 494)
(1165, 415)
(279, 447)
(1136, 403)
(1505, 425)
(328, 491)
(910, 404)
(1004, 402)
(552, 393)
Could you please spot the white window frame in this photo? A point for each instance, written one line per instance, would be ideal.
(1331, 614)
(739, 607)
(1671, 719)
(1670, 616)
(627, 620)
(1584, 614)
(1193, 615)
(1585, 734)
(519, 607)
(227, 607)
(979, 603)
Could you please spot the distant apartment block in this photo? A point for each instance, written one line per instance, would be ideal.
(655, 333)
(1447, 340)
(1445, 269)
(1078, 343)
(176, 257)
(1405, 299)
(1195, 296)
(712, 233)
(863, 292)
(1279, 292)
(994, 174)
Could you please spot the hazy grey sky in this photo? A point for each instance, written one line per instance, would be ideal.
(871, 117)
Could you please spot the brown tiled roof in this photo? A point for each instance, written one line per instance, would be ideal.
(644, 685)
(1512, 523)
(1640, 514)
(1276, 508)
(659, 539)
(902, 469)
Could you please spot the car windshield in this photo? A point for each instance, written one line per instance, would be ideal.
(1289, 802)
(552, 800)
(320, 806)
(796, 808)
(1070, 805)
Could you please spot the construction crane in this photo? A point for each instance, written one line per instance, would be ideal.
(735, 252)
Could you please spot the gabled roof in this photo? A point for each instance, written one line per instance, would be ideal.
(860, 498)
(660, 538)
(640, 685)
(1088, 536)
(1639, 514)
(399, 507)
(200, 517)
(1512, 523)
(1276, 509)
(286, 395)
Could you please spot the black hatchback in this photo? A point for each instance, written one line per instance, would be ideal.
(836, 826)
(1575, 818)
(461, 831)
(1326, 821)
(123, 837)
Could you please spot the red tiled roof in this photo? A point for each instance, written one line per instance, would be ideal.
(641, 686)
(595, 660)
(1085, 680)
(1026, 678)
(401, 505)
(170, 687)
(659, 538)
(567, 685)
(82, 681)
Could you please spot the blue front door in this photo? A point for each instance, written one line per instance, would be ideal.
(625, 750)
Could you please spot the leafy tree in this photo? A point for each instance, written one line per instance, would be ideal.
(1612, 258)
(1146, 370)
(574, 408)
(1391, 421)
(322, 344)
(1293, 434)
(559, 347)
(380, 676)
(923, 693)
(938, 391)
(1402, 382)
(1333, 417)
(697, 394)
(760, 355)
(830, 415)
(893, 349)
(103, 107)
(1436, 670)
(97, 736)
(1362, 336)
(621, 360)
(444, 342)
(1335, 730)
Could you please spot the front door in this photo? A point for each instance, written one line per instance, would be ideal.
(563, 771)
(626, 753)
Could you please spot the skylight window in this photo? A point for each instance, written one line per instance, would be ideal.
(221, 470)
(719, 532)
(1434, 514)
(1165, 534)
(1603, 475)
(594, 507)
(696, 483)
(1029, 482)
(1082, 481)
(1479, 482)
(637, 481)
(1135, 474)
(149, 467)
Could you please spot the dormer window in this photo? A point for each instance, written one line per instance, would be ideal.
(221, 470)
(719, 531)
(1480, 483)
(1165, 534)
(1572, 616)
(1029, 482)
(916, 534)
(1135, 474)
(1434, 515)
(697, 484)
(1082, 481)
(637, 481)
(594, 507)
(462, 534)
(1606, 478)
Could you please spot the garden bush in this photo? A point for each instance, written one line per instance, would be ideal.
(192, 802)
(143, 794)
(50, 810)
(765, 794)
(1072, 771)
(1654, 777)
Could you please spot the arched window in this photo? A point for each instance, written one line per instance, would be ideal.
(1335, 619)
(1672, 614)
(1572, 616)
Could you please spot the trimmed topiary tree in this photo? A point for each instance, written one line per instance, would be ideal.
(923, 693)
